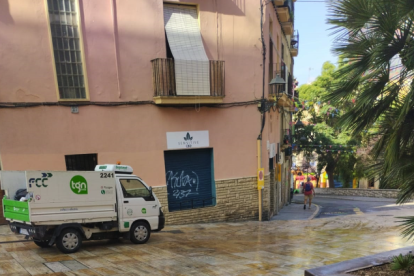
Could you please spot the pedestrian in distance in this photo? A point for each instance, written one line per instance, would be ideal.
(309, 192)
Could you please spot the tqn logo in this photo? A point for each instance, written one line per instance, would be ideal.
(78, 185)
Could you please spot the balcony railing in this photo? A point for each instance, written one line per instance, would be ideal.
(163, 75)
(294, 44)
(287, 137)
(294, 41)
(290, 5)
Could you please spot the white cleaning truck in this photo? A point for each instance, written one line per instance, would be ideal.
(68, 207)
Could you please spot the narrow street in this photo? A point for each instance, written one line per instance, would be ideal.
(331, 207)
(278, 247)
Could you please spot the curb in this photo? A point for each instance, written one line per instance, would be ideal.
(315, 213)
(356, 198)
(356, 264)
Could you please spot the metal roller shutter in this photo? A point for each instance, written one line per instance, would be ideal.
(189, 178)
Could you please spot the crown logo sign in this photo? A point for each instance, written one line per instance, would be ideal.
(188, 137)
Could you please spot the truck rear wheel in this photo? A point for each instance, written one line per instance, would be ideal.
(42, 244)
(140, 232)
(69, 241)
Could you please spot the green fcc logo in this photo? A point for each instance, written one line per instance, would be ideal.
(79, 185)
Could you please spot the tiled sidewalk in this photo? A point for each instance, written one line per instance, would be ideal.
(248, 248)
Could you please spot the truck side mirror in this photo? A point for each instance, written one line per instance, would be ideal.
(150, 190)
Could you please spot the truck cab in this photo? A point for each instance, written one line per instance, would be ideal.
(135, 198)
(66, 208)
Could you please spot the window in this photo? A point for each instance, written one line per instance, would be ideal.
(65, 31)
(81, 162)
(283, 71)
(134, 188)
(185, 45)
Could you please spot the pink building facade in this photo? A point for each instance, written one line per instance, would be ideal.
(86, 82)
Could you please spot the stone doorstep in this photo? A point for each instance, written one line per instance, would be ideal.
(357, 264)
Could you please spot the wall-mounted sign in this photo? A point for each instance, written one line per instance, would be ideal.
(188, 139)
(260, 178)
(272, 150)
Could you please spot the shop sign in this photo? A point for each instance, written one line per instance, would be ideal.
(188, 139)
(260, 178)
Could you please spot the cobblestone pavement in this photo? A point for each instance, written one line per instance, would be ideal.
(246, 248)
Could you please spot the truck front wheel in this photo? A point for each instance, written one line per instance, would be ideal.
(140, 232)
(69, 241)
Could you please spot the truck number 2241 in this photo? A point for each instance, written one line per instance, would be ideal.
(107, 175)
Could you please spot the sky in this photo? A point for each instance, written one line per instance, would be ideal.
(315, 43)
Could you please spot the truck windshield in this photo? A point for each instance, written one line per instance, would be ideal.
(134, 188)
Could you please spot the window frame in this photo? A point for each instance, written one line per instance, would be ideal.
(82, 49)
(77, 157)
(147, 198)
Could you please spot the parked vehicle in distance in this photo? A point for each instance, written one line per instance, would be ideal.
(69, 207)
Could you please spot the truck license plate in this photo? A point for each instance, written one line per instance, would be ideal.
(24, 231)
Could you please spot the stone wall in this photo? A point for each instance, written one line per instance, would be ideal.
(237, 200)
(383, 193)
(272, 192)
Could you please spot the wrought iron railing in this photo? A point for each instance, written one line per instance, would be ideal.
(294, 41)
(163, 77)
(287, 136)
(291, 6)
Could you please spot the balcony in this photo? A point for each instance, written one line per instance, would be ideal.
(285, 11)
(279, 2)
(287, 142)
(287, 27)
(283, 99)
(163, 76)
(283, 14)
(294, 44)
(287, 137)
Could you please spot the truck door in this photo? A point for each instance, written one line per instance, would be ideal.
(136, 202)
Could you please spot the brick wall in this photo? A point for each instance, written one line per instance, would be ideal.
(383, 193)
(237, 200)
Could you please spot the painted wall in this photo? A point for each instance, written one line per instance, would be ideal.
(127, 35)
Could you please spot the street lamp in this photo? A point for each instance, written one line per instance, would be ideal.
(299, 127)
(278, 84)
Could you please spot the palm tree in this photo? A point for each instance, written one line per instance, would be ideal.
(375, 39)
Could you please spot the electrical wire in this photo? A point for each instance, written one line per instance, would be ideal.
(114, 104)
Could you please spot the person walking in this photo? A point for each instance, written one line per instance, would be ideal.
(309, 192)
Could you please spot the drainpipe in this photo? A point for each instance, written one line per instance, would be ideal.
(115, 32)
